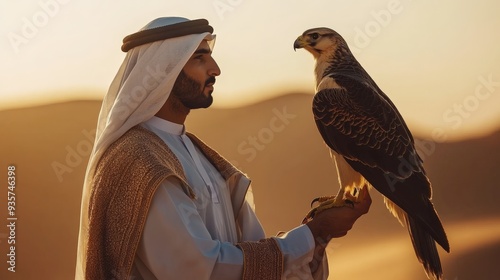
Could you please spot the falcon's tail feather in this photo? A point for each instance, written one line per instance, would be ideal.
(429, 222)
(425, 248)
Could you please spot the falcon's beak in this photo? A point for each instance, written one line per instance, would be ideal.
(299, 43)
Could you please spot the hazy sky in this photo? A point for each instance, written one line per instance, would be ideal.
(439, 61)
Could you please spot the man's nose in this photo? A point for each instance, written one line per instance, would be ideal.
(214, 69)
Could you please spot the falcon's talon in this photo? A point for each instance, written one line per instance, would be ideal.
(314, 201)
(322, 199)
(351, 199)
(355, 191)
(349, 203)
(326, 202)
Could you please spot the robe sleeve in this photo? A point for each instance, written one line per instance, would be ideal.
(175, 243)
(297, 247)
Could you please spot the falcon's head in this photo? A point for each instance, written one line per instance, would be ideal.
(320, 42)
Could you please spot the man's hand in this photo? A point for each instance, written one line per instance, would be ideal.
(337, 221)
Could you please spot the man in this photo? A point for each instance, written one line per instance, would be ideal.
(157, 202)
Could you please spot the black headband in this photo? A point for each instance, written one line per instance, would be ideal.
(142, 37)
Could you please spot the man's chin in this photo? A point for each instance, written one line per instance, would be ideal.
(210, 100)
(201, 104)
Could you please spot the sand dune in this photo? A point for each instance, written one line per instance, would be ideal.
(373, 259)
(276, 144)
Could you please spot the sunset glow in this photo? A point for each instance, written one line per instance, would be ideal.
(439, 62)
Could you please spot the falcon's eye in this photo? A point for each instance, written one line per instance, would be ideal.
(314, 36)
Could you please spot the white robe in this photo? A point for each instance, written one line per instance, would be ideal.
(186, 239)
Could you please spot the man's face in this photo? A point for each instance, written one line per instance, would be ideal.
(194, 85)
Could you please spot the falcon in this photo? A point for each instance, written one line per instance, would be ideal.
(371, 145)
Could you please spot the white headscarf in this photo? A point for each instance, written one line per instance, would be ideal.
(138, 91)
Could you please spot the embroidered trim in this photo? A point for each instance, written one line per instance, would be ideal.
(262, 260)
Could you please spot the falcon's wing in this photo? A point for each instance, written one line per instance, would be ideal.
(364, 127)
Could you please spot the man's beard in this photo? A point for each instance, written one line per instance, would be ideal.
(190, 93)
